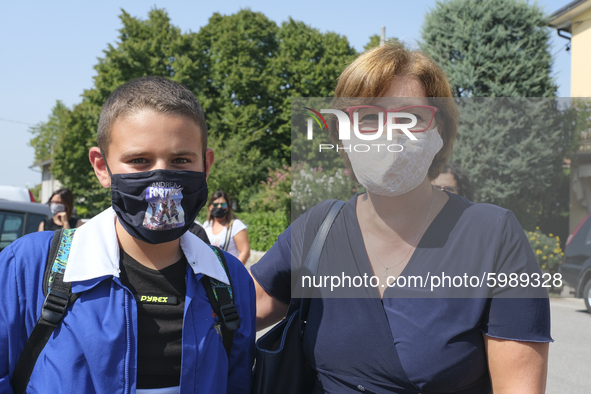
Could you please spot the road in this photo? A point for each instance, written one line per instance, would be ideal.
(569, 367)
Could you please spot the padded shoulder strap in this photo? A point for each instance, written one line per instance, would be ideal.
(58, 295)
(221, 298)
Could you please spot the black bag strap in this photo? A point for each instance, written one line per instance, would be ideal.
(221, 298)
(58, 295)
(310, 266)
(228, 236)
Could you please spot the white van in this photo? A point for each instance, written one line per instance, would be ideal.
(15, 193)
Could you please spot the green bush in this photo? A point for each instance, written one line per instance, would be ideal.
(312, 185)
(547, 249)
(264, 227)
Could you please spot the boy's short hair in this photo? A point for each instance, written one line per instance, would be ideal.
(151, 92)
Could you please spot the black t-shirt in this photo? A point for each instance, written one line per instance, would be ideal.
(49, 224)
(160, 299)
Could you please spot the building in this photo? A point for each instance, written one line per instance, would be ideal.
(48, 183)
(573, 22)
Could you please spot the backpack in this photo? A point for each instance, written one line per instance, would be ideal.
(58, 295)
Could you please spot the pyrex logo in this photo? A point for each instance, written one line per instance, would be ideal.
(364, 132)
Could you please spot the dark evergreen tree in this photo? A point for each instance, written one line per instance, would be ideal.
(512, 149)
(492, 48)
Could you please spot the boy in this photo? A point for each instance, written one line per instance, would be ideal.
(143, 322)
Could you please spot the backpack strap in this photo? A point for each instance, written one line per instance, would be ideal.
(58, 295)
(228, 236)
(221, 298)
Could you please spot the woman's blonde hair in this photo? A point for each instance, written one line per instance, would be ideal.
(372, 73)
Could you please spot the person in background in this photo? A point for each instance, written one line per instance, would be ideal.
(224, 229)
(454, 180)
(61, 204)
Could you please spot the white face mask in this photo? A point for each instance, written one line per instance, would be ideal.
(400, 171)
(56, 208)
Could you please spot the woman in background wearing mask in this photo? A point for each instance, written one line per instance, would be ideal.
(61, 204)
(370, 336)
(224, 229)
(454, 180)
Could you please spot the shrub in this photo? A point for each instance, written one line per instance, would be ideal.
(546, 248)
(264, 228)
(311, 186)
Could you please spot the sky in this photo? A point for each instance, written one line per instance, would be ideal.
(48, 50)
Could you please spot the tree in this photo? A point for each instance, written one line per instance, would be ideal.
(512, 149)
(243, 68)
(493, 48)
(46, 134)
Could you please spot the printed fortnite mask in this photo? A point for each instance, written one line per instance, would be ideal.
(394, 173)
(158, 206)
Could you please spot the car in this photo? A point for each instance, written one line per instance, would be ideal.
(15, 193)
(20, 218)
(576, 265)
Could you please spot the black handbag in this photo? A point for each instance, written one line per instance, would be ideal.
(280, 366)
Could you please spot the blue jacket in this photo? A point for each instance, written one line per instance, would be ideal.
(94, 349)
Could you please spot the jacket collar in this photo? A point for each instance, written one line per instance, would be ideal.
(94, 253)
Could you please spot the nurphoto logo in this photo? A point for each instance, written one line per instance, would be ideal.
(369, 123)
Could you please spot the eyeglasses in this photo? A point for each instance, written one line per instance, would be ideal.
(451, 189)
(369, 117)
(220, 204)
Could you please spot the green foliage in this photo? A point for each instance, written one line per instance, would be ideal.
(547, 249)
(243, 68)
(493, 48)
(274, 193)
(512, 149)
(264, 228)
(36, 191)
(514, 156)
(45, 135)
(311, 186)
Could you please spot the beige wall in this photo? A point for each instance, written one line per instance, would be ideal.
(581, 55)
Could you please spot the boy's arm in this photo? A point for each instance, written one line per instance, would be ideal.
(242, 354)
(12, 326)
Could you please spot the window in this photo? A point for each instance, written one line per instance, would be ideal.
(11, 227)
(33, 221)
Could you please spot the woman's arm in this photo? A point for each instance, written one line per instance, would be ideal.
(516, 367)
(269, 309)
(79, 223)
(243, 246)
(41, 226)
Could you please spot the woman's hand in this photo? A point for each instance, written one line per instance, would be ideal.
(243, 246)
(61, 219)
(517, 367)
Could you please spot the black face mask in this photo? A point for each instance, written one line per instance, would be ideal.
(158, 206)
(218, 212)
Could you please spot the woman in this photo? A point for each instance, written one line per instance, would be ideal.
(375, 341)
(224, 229)
(454, 180)
(61, 204)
